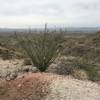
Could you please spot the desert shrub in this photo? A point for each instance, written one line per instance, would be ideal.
(27, 61)
(42, 48)
(5, 53)
(63, 66)
(90, 69)
(75, 66)
(6, 56)
(80, 74)
(61, 69)
(87, 47)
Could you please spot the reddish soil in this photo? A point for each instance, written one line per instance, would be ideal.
(44, 86)
(28, 87)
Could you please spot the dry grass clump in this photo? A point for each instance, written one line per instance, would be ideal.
(95, 39)
(75, 66)
(80, 74)
(5, 53)
(8, 54)
(27, 61)
(61, 66)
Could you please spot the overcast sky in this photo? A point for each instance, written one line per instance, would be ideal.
(28, 13)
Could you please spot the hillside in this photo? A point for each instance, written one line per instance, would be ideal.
(48, 87)
(73, 75)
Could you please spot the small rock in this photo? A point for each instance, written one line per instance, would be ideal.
(26, 68)
(34, 70)
(29, 69)
(8, 78)
(19, 85)
(13, 76)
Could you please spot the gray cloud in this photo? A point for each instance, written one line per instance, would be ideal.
(21, 7)
(28, 12)
(93, 5)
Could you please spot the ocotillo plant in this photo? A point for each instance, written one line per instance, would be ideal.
(42, 48)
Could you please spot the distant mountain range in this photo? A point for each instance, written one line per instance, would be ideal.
(69, 29)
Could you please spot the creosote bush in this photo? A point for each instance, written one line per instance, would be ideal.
(42, 48)
(77, 67)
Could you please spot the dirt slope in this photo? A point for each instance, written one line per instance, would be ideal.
(43, 86)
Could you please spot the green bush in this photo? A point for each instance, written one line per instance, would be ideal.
(78, 67)
(42, 48)
(90, 69)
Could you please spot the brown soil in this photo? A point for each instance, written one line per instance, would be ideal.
(31, 87)
(44, 86)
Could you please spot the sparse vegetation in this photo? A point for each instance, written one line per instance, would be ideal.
(76, 57)
(59, 60)
(42, 49)
(69, 65)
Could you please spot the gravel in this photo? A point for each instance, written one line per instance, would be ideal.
(10, 69)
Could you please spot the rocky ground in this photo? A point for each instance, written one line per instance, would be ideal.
(42, 86)
(10, 69)
(20, 82)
